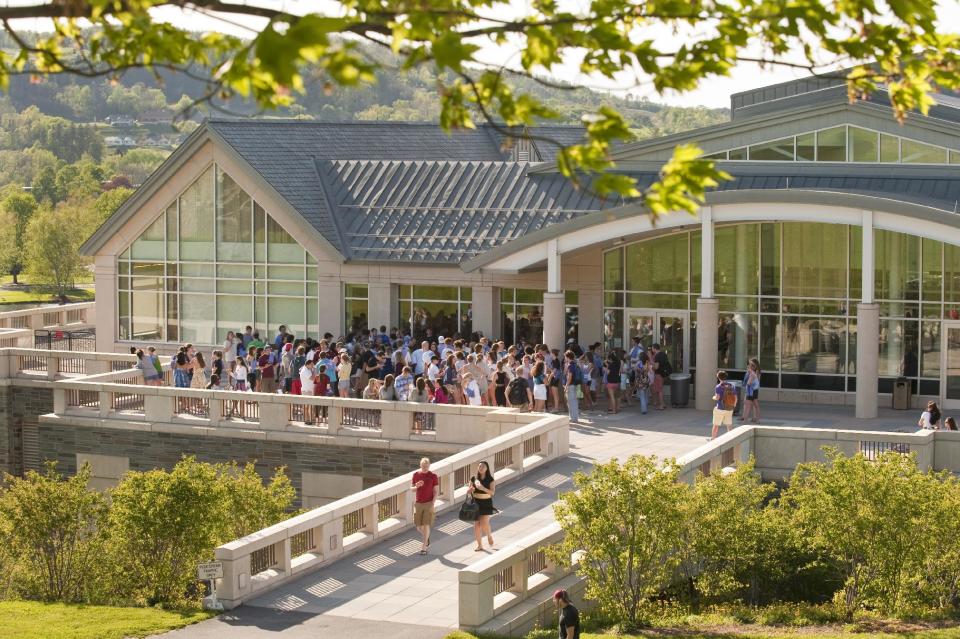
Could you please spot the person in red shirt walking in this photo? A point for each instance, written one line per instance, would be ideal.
(426, 485)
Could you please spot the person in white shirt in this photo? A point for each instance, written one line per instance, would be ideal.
(230, 350)
(471, 389)
(416, 358)
(307, 388)
(433, 370)
(930, 418)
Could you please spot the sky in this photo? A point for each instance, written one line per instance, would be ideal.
(713, 92)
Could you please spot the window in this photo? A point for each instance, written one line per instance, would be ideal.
(521, 315)
(432, 311)
(355, 307)
(842, 144)
(203, 268)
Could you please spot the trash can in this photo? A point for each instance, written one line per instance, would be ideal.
(679, 389)
(738, 387)
(902, 394)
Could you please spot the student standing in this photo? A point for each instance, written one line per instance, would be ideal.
(426, 485)
(751, 386)
(573, 378)
(725, 396)
(482, 487)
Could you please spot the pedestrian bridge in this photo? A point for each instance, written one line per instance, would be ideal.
(358, 558)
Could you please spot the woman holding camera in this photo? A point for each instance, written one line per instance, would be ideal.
(482, 487)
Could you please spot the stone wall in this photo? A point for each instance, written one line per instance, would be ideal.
(149, 450)
(20, 406)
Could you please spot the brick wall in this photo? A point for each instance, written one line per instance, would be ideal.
(19, 408)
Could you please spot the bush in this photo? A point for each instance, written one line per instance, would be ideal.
(625, 523)
(49, 534)
(872, 518)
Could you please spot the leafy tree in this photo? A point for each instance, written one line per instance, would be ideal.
(249, 505)
(732, 535)
(161, 524)
(870, 517)
(15, 213)
(938, 578)
(52, 247)
(102, 208)
(44, 186)
(50, 528)
(625, 522)
(904, 47)
(79, 99)
(136, 164)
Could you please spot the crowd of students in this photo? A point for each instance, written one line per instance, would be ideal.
(448, 370)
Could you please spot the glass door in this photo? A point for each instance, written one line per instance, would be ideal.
(664, 327)
(950, 354)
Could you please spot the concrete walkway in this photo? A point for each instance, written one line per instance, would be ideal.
(417, 595)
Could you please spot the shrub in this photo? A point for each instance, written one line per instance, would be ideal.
(48, 534)
(871, 518)
(625, 523)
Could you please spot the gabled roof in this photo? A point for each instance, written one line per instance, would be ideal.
(431, 211)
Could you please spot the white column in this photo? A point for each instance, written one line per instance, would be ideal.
(591, 315)
(382, 305)
(708, 315)
(486, 311)
(107, 316)
(330, 294)
(554, 315)
(706, 253)
(868, 329)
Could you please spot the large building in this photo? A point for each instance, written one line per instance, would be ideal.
(833, 255)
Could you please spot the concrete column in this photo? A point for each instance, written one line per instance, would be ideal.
(554, 317)
(866, 268)
(330, 294)
(554, 301)
(706, 253)
(486, 311)
(868, 350)
(591, 316)
(708, 314)
(382, 306)
(105, 281)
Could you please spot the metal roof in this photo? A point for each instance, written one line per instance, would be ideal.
(430, 211)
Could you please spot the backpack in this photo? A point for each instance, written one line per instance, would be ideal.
(577, 376)
(729, 396)
(518, 391)
(665, 369)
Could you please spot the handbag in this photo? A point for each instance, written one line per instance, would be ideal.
(469, 510)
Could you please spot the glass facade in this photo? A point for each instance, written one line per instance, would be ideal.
(843, 143)
(431, 311)
(356, 307)
(788, 294)
(212, 262)
(521, 315)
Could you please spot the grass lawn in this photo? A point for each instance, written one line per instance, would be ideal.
(28, 295)
(905, 631)
(34, 620)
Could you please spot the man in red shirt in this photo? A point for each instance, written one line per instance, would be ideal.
(267, 364)
(426, 485)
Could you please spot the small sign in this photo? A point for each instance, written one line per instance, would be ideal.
(210, 571)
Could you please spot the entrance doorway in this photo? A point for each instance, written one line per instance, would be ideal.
(664, 327)
(950, 366)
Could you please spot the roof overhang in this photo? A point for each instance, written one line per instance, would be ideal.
(203, 135)
(753, 205)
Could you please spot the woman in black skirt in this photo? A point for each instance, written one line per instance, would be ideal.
(483, 487)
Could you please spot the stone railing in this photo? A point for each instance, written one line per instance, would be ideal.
(505, 593)
(16, 338)
(42, 364)
(63, 316)
(271, 415)
(273, 556)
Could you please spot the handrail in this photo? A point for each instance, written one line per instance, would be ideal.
(495, 584)
(76, 314)
(272, 556)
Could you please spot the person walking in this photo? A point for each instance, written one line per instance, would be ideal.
(751, 386)
(569, 615)
(482, 486)
(725, 396)
(426, 485)
(572, 379)
(930, 418)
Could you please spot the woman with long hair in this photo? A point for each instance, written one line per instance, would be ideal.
(539, 387)
(751, 390)
(930, 418)
(199, 379)
(482, 487)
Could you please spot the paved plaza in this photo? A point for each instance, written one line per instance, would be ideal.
(417, 595)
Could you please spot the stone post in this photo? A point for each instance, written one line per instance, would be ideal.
(868, 351)
(708, 314)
